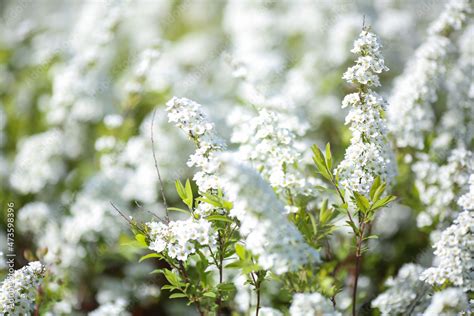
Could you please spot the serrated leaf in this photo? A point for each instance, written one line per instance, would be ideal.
(220, 218)
(313, 224)
(178, 295)
(180, 189)
(378, 193)
(150, 255)
(354, 227)
(189, 194)
(328, 156)
(171, 277)
(210, 294)
(240, 251)
(362, 202)
(250, 268)
(320, 162)
(177, 209)
(374, 187)
(383, 202)
(234, 265)
(141, 240)
(226, 287)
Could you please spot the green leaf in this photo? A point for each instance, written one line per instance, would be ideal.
(210, 294)
(234, 265)
(362, 202)
(374, 187)
(324, 213)
(226, 287)
(171, 277)
(240, 251)
(178, 210)
(150, 255)
(180, 189)
(178, 295)
(328, 156)
(321, 163)
(220, 218)
(141, 240)
(313, 223)
(383, 202)
(189, 194)
(378, 193)
(354, 227)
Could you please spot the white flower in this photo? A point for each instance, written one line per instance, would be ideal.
(466, 201)
(457, 123)
(39, 162)
(259, 211)
(18, 290)
(370, 62)
(177, 238)
(267, 141)
(438, 185)
(369, 154)
(187, 115)
(450, 301)
(410, 114)
(34, 216)
(453, 252)
(268, 311)
(404, 290)
(304, 304)
(117, 307)
(453, 16)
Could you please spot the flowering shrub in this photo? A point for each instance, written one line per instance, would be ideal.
(237, 158)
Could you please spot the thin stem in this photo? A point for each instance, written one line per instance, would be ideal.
(354, 290)
(220, 267)
(256, 283)
(182, 270)
(156, 167)
(258, 301)
(360, 240)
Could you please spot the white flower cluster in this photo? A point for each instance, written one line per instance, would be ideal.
(269, 145)
(80, 85)
(39, 162)
(451, 301)
(114, 308)
(454, 260)
(404, 290)
(304, 304)
(466, 202)
(146, 60)
(370, 62)
(410, 114)
(260, 211)
(268, 311)
(457, 123)
(369, 154)
(187, 115)
(438, 185)
(178, 238)
(453, 16)
(18, 291)
(34, 216)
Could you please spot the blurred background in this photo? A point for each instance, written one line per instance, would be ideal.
(79, 81)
